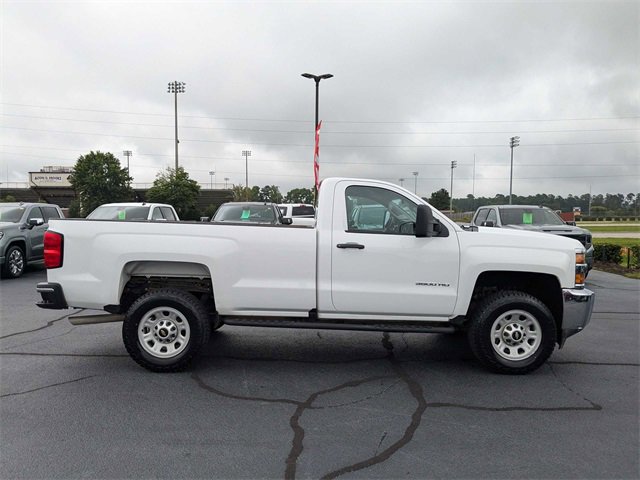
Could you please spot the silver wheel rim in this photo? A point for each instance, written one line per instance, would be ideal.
(516, 335)
(16, 262)
(164, 332)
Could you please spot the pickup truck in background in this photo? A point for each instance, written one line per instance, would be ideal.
(516, 294)
(250, 212)
(299, 213)
(533, 218)
(135, 211)
(22, 227)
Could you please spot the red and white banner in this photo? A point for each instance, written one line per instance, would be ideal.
(316, 154)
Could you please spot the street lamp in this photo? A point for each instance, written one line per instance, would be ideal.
(127, 153)
(401, 181)
(176, 87)
(246, 154)
(316, 78)
(415, 187)
(211, 175)
(226, 179)
(515, 142)
(454, 164)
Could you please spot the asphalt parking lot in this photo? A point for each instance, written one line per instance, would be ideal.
(271, 403)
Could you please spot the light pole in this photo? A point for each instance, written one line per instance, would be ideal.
(401, 181)
(246, 154)
(415, 186)
(454, 164)
(128, 153)
(316, 78)
(515, 142)
(226, 180)
(176, 87)
(211, 175)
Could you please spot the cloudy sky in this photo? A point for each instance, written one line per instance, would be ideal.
(416, 86)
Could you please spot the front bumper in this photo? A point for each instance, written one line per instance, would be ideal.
(577, 308)
(52, 296)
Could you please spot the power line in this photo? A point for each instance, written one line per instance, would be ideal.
(306, 145)
(622, 117)
(331, 132)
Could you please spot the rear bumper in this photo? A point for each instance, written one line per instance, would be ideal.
(52, 296)
(577, 309)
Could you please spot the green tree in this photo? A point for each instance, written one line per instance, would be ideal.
(177, 189)
(97, 178)
(243, 194)
(270, 193)
(440, 199)
(299, 195)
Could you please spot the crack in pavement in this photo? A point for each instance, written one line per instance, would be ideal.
(73, 327)
(49, 324)
(46, 386)
(79, 355)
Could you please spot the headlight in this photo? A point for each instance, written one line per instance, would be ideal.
(581, 268)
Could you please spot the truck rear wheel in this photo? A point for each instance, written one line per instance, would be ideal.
(512, 332)
(164, 329)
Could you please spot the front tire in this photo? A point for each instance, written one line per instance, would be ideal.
(512, 332)
(14, 263)
(164, 329)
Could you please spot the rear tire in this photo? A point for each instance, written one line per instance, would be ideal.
(512, 332)
(165, 329)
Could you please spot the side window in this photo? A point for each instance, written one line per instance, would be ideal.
(35, 213)
(157, 214)
(378, 210)
(168, 214)
(492, 217)
(481, 216)
(50, 212)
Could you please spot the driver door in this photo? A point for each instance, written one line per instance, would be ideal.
(378, 266)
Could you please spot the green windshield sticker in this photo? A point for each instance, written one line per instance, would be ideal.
(245, 214)
(122, 215)
(527, 218)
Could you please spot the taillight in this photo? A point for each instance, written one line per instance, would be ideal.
(53, 242)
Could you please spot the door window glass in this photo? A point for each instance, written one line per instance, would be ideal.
(50, 212)
(378, 210)
(168, 214)
(481, 216)
(35, 213)
(157, 214)
(492, 217)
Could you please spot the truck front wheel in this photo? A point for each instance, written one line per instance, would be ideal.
(164, 329)
(512, 332)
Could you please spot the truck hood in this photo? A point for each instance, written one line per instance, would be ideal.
(557, 229)
(8, 225)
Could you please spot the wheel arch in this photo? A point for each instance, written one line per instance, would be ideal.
(543, 286)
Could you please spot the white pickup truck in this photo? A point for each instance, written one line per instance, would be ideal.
(516, 294)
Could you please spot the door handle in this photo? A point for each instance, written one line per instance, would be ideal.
(351, 245)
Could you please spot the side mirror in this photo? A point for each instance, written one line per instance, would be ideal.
(287, 221)
(204, 219)
(488, 223)
(36, 222)
(424, 221)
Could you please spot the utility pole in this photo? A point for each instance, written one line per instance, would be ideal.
(212, 174)
(454, 164)
(226, 180)
(176, 87)
(473, 184)
(401, 181)
(415, 186)
(515, 142)
(128, 153)
(246, 154)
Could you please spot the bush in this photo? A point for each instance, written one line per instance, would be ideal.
(607, 252)
(634, 251)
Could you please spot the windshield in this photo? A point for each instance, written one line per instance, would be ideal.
(114, 212)
(529, 216)
(11, 214)
(245, 213)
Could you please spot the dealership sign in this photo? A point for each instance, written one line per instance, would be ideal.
(40, 179)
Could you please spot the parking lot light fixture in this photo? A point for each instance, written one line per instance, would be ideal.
(454, 164)
(212, 175)
(415, 185)
(246, 154)
(515, 142)
(176, 87)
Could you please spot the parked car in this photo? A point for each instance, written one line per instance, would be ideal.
(535, 219)
(516, 294)
(22, 227)
(250, 212)
(135, 211)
